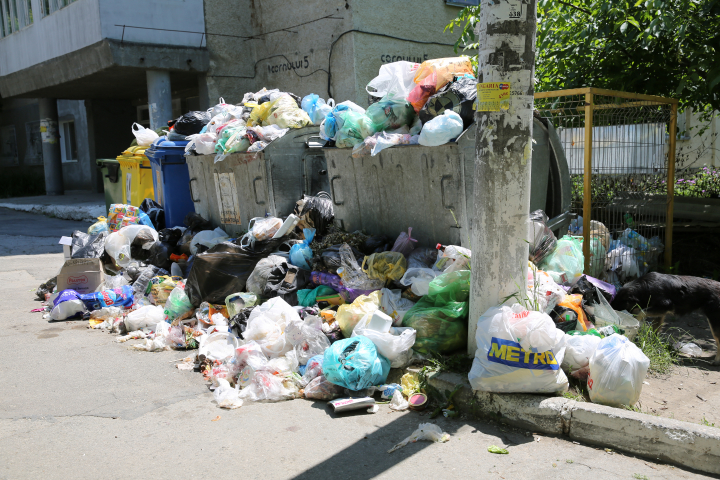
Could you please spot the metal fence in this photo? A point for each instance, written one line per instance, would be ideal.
(624, 179)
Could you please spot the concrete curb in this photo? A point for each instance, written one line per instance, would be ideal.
(673, 441)
(81, 212)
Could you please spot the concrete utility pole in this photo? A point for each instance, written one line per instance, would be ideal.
(506, 61)
(52, 158)
(159, 98)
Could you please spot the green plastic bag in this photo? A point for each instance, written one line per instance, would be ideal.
(565, 264)
(308, 298)
(354, 129)
(391, 113)
(440, 317)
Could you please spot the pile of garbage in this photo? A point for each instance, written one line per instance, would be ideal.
(280, 312)
(428, 104)
(563, 324)
(297, 308)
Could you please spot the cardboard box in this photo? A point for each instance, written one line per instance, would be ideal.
(83, 275)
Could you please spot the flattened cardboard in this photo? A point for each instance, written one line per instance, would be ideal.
(83, 275)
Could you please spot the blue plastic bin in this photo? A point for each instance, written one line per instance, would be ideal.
(171, 179)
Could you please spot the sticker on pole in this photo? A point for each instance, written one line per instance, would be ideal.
(493, 96)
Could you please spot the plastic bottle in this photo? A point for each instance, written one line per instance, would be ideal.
(140, 287)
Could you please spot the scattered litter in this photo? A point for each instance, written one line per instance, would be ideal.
(215, 419)
(689, 349)
(427, 432)
(496, 449)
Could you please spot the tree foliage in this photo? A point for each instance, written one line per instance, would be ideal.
(669, 48)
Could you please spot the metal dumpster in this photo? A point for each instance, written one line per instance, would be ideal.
(247, 185)
(431, 188)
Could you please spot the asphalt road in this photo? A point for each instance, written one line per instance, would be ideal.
(74, 404)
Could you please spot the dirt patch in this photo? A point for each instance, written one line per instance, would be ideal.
(691, 392)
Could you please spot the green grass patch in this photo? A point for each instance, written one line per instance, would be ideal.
(663, 357)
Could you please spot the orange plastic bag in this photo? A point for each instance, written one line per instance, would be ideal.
(574, 303)
(444, 69)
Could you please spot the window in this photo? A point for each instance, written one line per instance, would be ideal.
(52, 6)
(14, 16)
(68, 142)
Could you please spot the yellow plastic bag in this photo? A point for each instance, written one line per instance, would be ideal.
(285, 113)
(259, 114)
(385, 266)
(100, 226)
(444, 70)
(349, 315)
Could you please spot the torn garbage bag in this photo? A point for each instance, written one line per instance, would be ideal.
(355, 364)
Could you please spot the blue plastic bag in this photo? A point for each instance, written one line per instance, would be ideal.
(315, 107)
(300, 253)
(117, 297)
(354, 363)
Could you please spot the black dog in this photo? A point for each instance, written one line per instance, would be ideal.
(658, 294)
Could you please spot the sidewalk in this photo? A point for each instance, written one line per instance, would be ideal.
(74, 205)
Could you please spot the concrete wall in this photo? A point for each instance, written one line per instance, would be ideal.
(86, 22)
(300, 58)
(20, 113)
(696, 149)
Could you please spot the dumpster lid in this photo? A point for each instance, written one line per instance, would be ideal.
(164, 142)
(103, 161)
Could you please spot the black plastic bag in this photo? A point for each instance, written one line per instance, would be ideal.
(284, 281)
(376, 244)
(87, 246)
(565, 318)
(238, 323)
(317, 212)
(589, 292)
(457, 96)
(45, 288)
(170, 235)
(159, 255)
(195, 223)
(191, 123)
(224, 269)
(155, 211)
(137, 247)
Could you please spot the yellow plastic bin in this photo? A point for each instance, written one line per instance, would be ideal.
(137, 182)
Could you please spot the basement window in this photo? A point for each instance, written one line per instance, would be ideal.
(68, 142)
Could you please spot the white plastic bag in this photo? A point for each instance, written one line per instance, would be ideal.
(501, 364)
(617, 370)
(428, 432)
(117, 244)
(579, 349)
(145, 317)
(267, 323)
(393, 78)
(393, 345)
(227, 396)
(441, 129)
(398, 402)
(209, 238)
(307, 338)
(418, 279)
(217, 346)
(392, 303)
(453, 259)
(145, 137)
